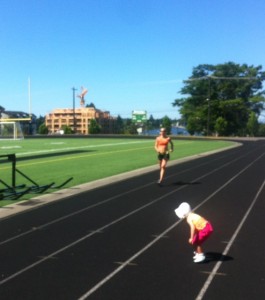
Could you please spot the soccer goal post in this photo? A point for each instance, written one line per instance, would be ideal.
(11, 131)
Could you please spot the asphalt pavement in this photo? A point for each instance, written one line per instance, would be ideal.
(120, 238)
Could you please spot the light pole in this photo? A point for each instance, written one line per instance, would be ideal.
(74, 123)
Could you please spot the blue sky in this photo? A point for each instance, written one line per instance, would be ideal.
(129, 54)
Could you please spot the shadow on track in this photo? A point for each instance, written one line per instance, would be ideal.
(185, 183)
(215, 256)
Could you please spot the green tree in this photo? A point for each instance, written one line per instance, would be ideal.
(43, 129)
(92, 105)
(252, 124)
(166, 123)
(94, 127)
(150, 123)
(39, 121)
(221, 126)
(194, 125)
(261, 130)
(67, 129)
(130, 127)
(229, 90)
(119, 125)
(2, 109)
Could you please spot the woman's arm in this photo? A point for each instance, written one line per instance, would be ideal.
(156, 145)
(171, 145)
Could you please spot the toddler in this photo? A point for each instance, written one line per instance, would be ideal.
(200, 229)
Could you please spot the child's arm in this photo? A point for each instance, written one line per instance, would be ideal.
(192, 230)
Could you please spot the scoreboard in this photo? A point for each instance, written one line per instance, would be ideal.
(139, 116)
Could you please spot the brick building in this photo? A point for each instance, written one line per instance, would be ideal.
(79, 119)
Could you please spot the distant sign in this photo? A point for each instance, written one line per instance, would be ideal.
(139, 116)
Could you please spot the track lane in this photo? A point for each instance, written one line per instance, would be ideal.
(119, 235)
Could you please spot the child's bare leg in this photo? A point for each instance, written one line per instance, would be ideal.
(198, 249)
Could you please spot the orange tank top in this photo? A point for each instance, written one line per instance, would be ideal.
(163, 141)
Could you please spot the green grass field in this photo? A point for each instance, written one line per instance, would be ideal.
(57, 159)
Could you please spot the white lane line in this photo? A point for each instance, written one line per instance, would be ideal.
(129, 261)
(70, 215)
(126, 263)
(218, 264)
(104, 227)
(85, 237)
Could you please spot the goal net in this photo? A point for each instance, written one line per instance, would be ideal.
(11, 131)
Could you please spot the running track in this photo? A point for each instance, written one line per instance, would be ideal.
(123, 240)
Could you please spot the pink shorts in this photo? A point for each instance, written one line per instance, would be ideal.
(202, 235)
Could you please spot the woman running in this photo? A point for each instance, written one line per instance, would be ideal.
(161, 147)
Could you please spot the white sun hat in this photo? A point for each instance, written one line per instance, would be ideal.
(183, 210)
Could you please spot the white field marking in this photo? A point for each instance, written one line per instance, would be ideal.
(77, 156)
(118, 196)
(92, 146)
(10, 147)
(116, 271)
(218, 264)
(74, 157)
(58, 143)
(109, 225)
(82, 156)
(79, 147)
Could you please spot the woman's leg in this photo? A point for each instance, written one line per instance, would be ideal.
(163, 165)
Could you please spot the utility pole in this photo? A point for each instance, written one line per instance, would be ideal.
(74, 120)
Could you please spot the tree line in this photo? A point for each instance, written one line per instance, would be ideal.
(223, 100)
(119, 126)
